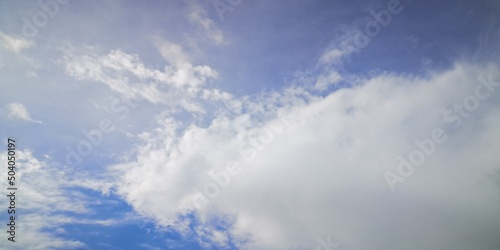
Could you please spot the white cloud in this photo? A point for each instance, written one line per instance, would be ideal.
(327, 79)
(349, 40)
(18, 111)
(46, 205)
(331, 56)
(40, 196)
(323, 174)
(183, 73)
(198, 16)
(179, 84)
(173, 53)
(15, 44)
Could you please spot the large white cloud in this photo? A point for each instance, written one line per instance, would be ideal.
(314, 167)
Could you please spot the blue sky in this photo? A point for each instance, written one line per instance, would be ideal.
(236, 124)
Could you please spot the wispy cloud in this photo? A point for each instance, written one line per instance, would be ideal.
(198, 16)
(42, 197)
(18, 111)
(15, 44)
(178, 84)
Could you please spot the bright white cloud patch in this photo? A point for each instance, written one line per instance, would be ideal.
(18, 111)
(323, 174)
